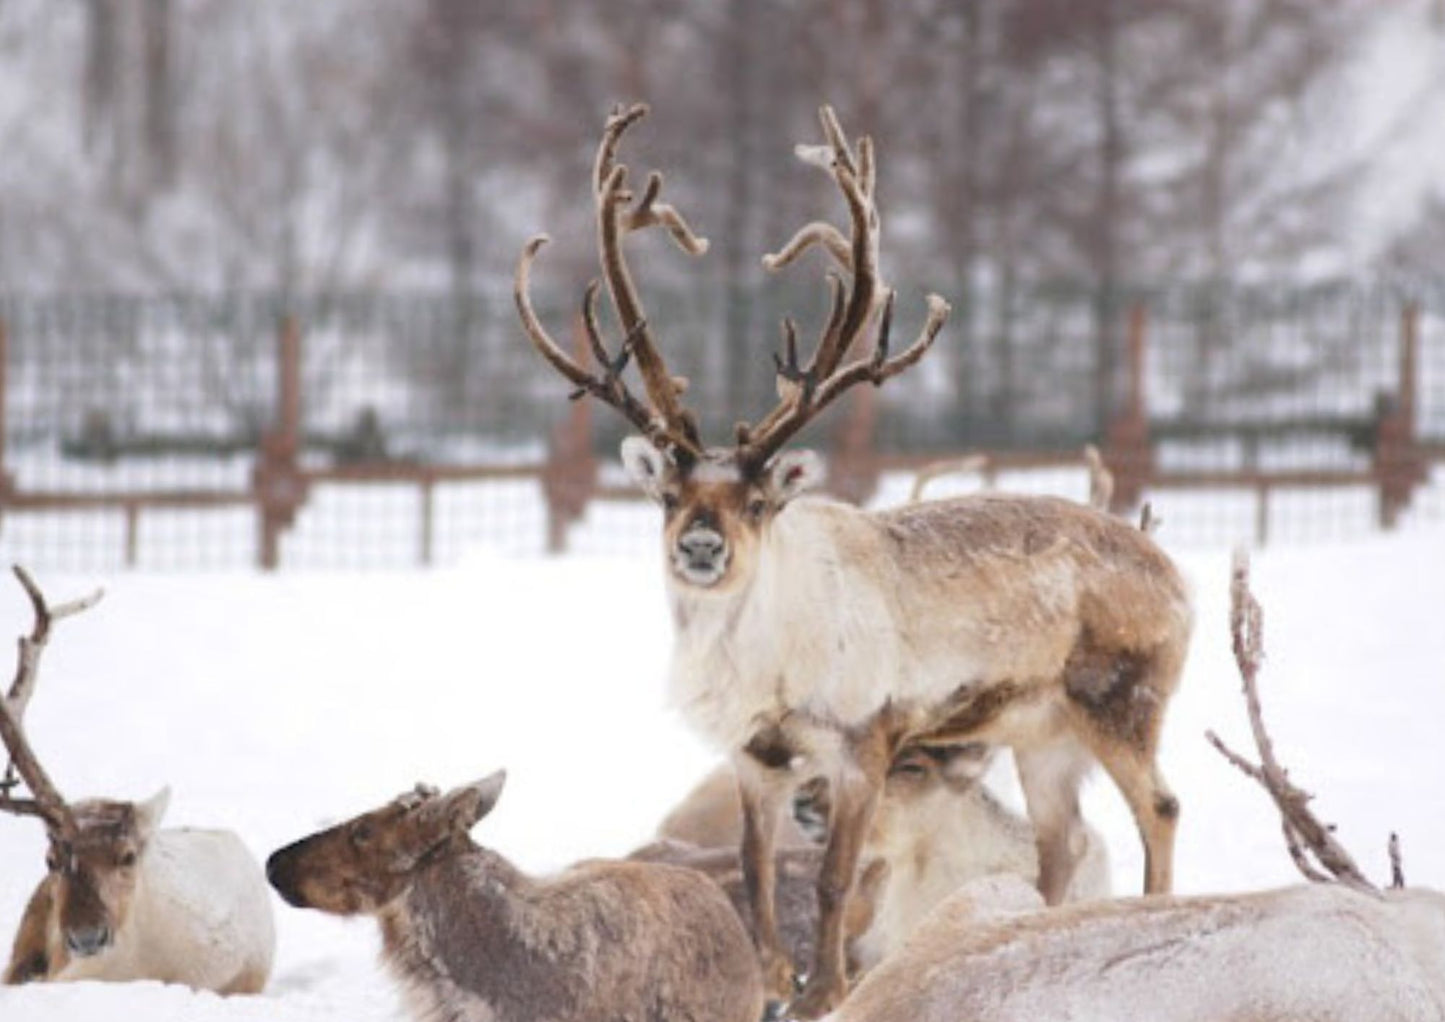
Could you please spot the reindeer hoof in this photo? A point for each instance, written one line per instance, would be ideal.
(817, 999)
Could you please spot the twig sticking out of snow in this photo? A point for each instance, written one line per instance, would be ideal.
(1397, 867)
(1101, 480)
(1310, 842)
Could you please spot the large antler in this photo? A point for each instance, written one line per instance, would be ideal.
(45, 800)
(804, 390)
(1304, 834)
(663, 419)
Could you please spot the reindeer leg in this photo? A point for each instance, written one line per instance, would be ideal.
(1050, 779)
(856, 791)
(763, 791)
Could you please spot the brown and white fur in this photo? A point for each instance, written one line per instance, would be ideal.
(472, 939)
(1323, 952)
(124, 900)
(812, 637)
(938, 826)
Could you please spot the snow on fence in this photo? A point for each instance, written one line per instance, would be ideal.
(375, 431)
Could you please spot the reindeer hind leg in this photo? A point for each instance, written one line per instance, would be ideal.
(1118, 703)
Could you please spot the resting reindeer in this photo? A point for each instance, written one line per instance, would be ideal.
(1337, 951)
(937, 827)
(471, 939)
(816, 638)
(124, 900)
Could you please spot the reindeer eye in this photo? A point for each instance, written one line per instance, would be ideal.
(757, 507)
(126, 860)
(908, 768)
(360, 835)
(669, 502)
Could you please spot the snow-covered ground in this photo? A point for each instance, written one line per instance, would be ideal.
(275, 705)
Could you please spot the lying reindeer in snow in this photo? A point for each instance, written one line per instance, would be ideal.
(1332, 951)
(470, 938)
(123, 899)
(937, 827)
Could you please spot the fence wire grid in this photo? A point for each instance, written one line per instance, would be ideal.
(158, 431)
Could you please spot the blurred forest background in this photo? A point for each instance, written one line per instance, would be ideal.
(1266, 175)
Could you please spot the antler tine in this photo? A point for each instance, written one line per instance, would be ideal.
(880, 367)
(46, 801)
(606, 387)
(853, 306)
(617, 124)
(614, 223)
(662, 418)
(1304, 833)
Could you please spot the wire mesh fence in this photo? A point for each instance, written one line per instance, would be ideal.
(391, 430)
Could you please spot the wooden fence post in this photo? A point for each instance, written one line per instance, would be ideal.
(1127, 450)
(279, 486)
(853, 462)
(1399, 462)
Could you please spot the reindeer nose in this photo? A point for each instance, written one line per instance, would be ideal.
(701, 545)
(87, 941)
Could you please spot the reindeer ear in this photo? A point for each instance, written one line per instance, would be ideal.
(646, 464)
(148, 813)
(792, 473)
(462, 807)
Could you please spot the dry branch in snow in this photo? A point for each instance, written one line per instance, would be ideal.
(1311, 843)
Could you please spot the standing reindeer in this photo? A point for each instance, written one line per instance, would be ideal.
(812, 634)
(470, 938)
(123, 899)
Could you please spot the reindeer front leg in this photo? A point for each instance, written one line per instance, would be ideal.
(764, 786)
(856, 788)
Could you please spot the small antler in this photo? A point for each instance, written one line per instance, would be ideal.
(805, 390)
(663, 419)
(1304, 834)
(45, 800)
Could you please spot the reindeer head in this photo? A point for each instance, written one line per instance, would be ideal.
(95, 846)
(718, 501)
(360, 866)
(96, 865)
(715, 510)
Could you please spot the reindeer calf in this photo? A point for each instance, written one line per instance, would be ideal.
(938, 827)
(472, 939)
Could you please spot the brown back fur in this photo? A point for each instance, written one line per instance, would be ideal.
(471, 938)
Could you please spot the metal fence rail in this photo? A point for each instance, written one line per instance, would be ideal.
(389, 430)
